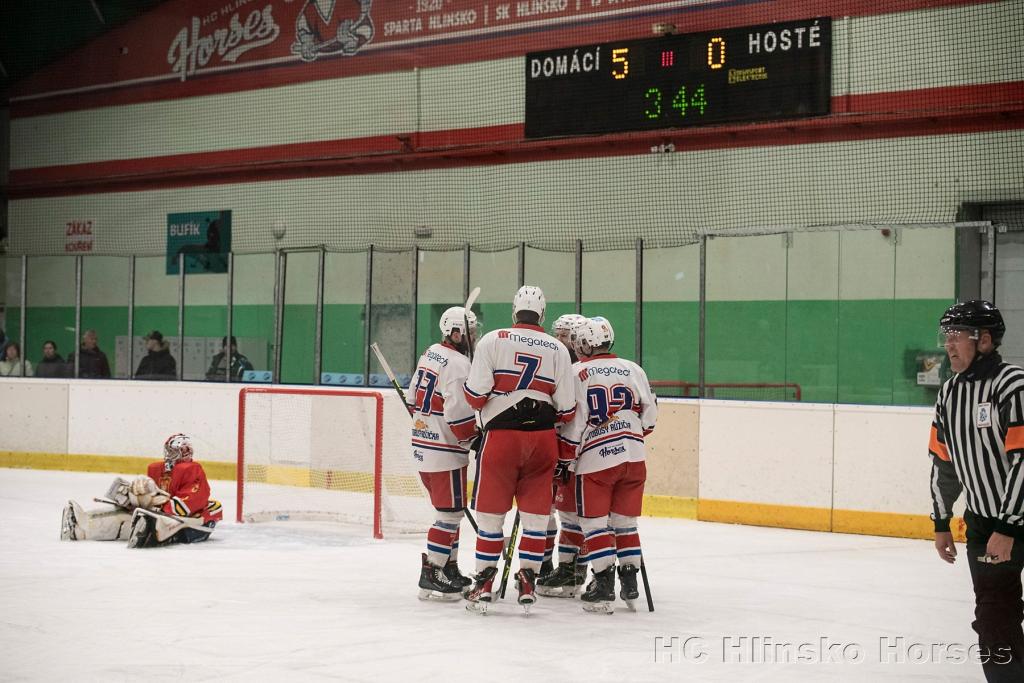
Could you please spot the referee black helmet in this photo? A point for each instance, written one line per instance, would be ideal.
(976, 314)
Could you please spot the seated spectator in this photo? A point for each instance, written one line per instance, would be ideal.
(52, 365)
(218, 367)
(10, 366)
(92, 363)
(158, 363)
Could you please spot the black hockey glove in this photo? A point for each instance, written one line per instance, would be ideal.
(563, 469)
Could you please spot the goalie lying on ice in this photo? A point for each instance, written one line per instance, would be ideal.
(170, 504)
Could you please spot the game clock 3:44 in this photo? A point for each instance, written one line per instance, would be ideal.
(737, 75)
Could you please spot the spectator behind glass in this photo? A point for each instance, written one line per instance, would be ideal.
(4, 341)
(52, 365)
(239, 363)
(92, 363)
(10, 366)
(158, 363)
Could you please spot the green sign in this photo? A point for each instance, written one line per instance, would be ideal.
(203, 237)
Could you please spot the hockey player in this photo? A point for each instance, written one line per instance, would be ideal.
(561, 330)
(521, 383)
(565, 581)
(443, 428)
(615, 410)
(170, 504)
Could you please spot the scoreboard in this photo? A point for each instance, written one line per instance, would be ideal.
(755, 73)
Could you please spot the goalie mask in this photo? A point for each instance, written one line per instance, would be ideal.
(177, 448)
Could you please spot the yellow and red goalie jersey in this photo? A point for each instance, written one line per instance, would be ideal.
(189, 490)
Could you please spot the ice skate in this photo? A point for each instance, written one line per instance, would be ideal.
(141, 533)
(525, 579)
(451, 570)
(546, 569)
(564, 582)
(627, 581)
(480, 595)
(599, 596)
(435, 584)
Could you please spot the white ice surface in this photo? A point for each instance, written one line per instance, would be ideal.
(300, 601)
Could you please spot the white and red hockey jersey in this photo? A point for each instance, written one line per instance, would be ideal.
(441, 417)
(520, 362)
(615, 410)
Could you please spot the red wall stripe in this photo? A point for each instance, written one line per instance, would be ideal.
(382, 59)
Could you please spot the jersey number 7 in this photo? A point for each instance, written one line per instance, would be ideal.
(530, 365)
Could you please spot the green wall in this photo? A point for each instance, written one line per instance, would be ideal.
(837, 351)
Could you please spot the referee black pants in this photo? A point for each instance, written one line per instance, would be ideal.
(998, 609)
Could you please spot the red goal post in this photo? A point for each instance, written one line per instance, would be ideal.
(327, 455)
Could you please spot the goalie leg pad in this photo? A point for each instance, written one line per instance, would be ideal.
(105, 524)
(151, 529)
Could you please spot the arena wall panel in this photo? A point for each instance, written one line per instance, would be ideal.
(760, 460)
(852, 469)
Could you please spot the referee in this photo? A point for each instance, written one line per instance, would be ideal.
(977, 446)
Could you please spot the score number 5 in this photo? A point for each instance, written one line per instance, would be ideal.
(620, 63)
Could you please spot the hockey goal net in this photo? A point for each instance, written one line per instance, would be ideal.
(327, 455)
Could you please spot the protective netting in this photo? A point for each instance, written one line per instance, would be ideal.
(428, 148)
(310, 456)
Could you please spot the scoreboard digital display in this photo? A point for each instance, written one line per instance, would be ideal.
(756, 73)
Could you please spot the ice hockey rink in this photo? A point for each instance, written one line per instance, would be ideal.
(306, 601)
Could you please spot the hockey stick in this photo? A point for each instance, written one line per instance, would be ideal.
(401, 394)
(191, 522)
(508, 555)
(466, 311)
(647, 586)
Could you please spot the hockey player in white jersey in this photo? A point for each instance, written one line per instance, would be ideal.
(521, 382)
(444, 427)
(615, 411)
(570, 538)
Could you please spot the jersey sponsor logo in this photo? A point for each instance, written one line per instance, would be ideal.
(437, 358)
(527, 341)
(614, 450)
(604, 371)
(984, 415)
(417, 455)
(421, 429)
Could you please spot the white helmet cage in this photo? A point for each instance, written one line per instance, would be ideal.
(529, 298)
(596, 332)
(454, 318)
(177, 448)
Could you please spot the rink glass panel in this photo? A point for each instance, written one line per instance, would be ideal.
(439, 285)
(496, 273)
(555, 273)
(609, 290)
(671, 335)
(344, 312)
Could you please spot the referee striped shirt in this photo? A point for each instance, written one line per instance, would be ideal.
(977, 446)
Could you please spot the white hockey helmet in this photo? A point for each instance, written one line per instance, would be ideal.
(455, 318)
(596, 332)
(177, 448)
(565, 323)
(529, 298)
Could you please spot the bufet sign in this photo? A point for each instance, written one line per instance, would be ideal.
(78, 237)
